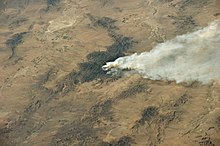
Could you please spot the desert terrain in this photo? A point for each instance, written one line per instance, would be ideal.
(53, 91)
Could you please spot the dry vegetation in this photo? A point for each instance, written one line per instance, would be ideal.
(54, 92)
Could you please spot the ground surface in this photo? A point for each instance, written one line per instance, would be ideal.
(54, 92)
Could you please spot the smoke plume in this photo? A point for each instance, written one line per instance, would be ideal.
(186, 58)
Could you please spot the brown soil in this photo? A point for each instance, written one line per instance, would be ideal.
(53, 91)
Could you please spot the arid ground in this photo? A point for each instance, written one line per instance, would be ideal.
(53, 91)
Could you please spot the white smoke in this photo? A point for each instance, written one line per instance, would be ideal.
(190, 57)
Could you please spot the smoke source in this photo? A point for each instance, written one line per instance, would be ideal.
(190, 57)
